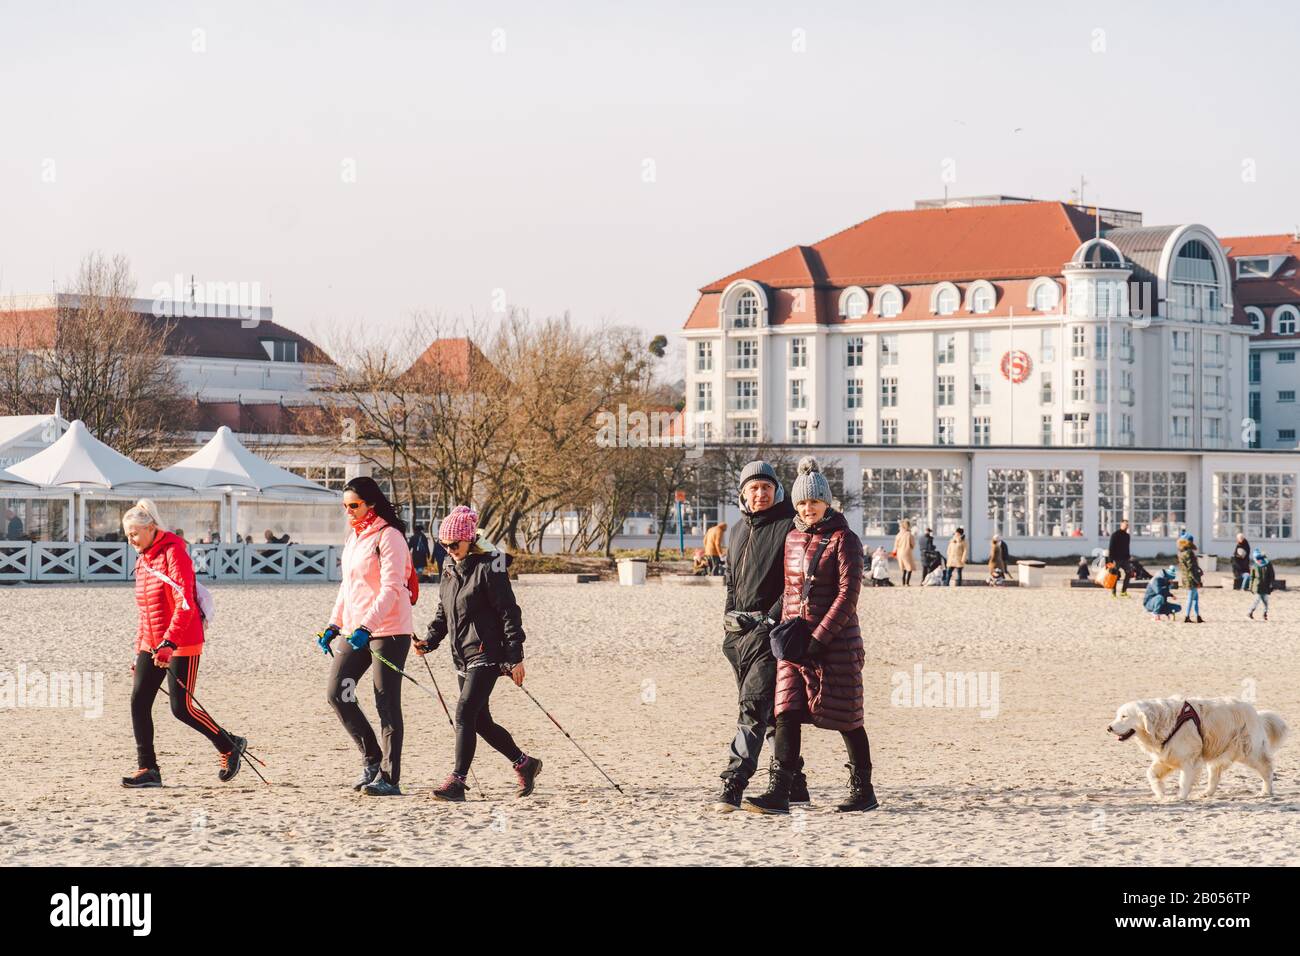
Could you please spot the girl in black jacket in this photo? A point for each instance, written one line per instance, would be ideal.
(478, 611)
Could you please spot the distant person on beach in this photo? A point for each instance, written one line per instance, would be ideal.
(477, 610)
(880, 569)
(958, 552)
(371, 613)
(754, 581)
(1241, 563)
(419, 545)
(820, 683)
(1261, 582)
(439, 555)
(168, 645)
(997, 560)
(904, 546)
(1189, 573)
(1118, 552)
(714, 548)
(1083, 572)
(13, 526)
(1158, 598)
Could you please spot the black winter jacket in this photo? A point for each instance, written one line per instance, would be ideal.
(1118, 549)
(755, 576)
(477, 608)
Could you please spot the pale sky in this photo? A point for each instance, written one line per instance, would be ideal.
(602, 158)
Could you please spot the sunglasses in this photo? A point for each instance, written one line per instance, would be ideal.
(353, 505)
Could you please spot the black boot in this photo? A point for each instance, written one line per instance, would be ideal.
(861, 795)
(777, 798)
(798, 786)
(732, 790)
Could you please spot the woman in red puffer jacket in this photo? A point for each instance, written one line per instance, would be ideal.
(168, 644)
(823, 687)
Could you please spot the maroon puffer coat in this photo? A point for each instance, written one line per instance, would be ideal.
(830, 689)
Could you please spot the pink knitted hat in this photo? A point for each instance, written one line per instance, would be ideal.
(460, 525)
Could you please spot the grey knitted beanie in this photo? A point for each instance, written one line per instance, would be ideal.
(811, 485)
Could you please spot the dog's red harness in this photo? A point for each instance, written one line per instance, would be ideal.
(1187, 713)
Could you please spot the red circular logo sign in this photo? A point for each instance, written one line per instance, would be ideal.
(1016, 366)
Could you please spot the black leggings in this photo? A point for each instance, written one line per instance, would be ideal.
(144, 690)
(473, 719)
(789, 741)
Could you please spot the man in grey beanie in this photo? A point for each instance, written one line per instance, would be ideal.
(755, 580)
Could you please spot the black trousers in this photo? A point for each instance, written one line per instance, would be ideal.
(345, 675)
(474, 719)
(789, 741)
(751, 660)
(144, 690)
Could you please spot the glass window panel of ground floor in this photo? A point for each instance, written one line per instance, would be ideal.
(927, 497)
(1259, 504)
(1155, 502)
(1035, 502)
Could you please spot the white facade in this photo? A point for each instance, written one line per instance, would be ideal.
(1104, 355)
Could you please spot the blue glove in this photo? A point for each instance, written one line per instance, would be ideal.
(326, 637)
(360, 638)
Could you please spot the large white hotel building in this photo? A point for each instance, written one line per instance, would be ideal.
(1032, 368)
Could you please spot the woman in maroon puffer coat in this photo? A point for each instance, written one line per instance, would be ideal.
(824, 687)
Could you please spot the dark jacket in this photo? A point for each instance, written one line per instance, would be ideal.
(828, 689)
(1263, 578)
(1241, 558)
(1158, 598)
(477, 608)
(419, 545)
(1118, 549)
(754, 548)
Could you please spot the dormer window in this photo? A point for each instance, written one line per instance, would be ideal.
(980, 297)
(281, 350)
(853, 303)
(945, 300)
(889, 301)
(1258, 268)
(1256, 319)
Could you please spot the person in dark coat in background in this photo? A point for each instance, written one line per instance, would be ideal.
(439, 556)
(418, 542)
(824, 686)
(1241, 563)
(1260, 581)
(1118, 552)
(754, 581)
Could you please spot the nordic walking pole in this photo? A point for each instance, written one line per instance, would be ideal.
(223, 730)
(566, 733)
(247, 753)
(448, 713)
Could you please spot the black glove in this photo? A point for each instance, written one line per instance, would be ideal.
(816, 650)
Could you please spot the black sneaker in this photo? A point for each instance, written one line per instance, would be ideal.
(732, 791)
(380, 787)
(230, 761)
(368, 775)
(527, 773)
(777, 798)
(143, 778)
(453, 790)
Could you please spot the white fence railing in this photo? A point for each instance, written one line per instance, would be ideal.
(46, 561)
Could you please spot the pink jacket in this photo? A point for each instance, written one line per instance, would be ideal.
(373, 593)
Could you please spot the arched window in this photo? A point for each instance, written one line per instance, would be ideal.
(889, 302)
(1046, 295)
(1284, 319)
(946, 299)
(853, 303)
(745, 310)
(1194, 280)
(1256, 319)
(981, 297)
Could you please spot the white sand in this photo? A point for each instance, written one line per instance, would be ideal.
(1041, 783)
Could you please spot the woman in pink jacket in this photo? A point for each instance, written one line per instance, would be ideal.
(374, 611)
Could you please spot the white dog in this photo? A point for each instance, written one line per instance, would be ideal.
(1185, 734)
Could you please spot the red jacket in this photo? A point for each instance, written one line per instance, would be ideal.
(162, 616)
(830, 689)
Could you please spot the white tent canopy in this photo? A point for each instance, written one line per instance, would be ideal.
(225, 465)
(10, 481)
(81, 462)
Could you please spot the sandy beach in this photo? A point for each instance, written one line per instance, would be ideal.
(636, 674)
